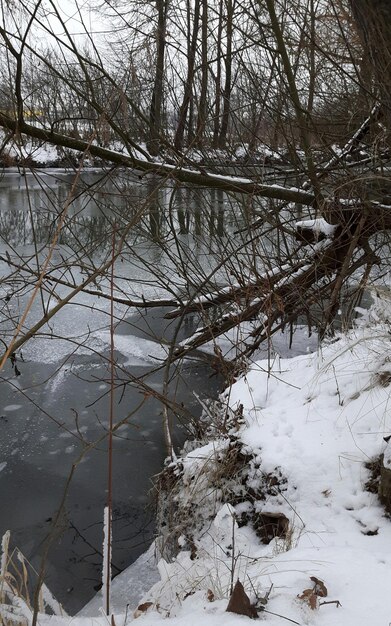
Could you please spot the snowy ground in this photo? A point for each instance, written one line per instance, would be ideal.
(312, 421)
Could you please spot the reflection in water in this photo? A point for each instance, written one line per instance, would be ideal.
(29, 208)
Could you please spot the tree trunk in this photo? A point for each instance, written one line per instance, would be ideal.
(202, 103)
(191, 51)
(155, 112)
(216, 123)
(373, 19)
(228, 77)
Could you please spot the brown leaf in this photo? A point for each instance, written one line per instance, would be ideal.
(305, 593)
(142, 608)
(270, 525)
(313, 601)
(320, 588)
(309, 596)
(239, 602)
(210, 595)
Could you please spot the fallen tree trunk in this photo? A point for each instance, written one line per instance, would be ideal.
(164, 170)
(283, 300)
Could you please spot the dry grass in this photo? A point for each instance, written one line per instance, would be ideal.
(16, 579)
(189, 496)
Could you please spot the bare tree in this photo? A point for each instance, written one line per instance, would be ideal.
(156, 108)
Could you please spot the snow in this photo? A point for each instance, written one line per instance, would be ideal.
(106, 569)
(318, 226)
(128, 587)
(42, 153)
(137, 349)
(313, 421)
(319, 417)
(293, 276)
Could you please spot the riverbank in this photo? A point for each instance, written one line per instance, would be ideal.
(284, 496)
(280, 494)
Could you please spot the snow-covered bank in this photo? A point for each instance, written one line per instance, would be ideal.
(292, 445)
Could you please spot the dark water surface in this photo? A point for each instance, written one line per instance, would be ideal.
(39, 453)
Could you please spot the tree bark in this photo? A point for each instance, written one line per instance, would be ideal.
(202, 103)
(217, 108)
(188, 86)
(155, 111)
(373, 19)
(228, 76)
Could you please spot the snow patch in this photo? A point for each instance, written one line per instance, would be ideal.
(318, 225)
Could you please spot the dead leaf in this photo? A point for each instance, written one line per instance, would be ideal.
(239, 602)
(320, 588)
(210, 595)
(270, 525)
(313, 601)
(309, 596)
(142, 608)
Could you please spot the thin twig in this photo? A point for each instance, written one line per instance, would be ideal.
(282, 617)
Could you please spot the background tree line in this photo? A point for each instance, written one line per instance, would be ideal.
(197, 74)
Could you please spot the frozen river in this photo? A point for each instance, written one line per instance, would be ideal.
(54, 400)
(58, 406)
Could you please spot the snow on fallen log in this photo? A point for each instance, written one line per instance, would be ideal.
(318, 226)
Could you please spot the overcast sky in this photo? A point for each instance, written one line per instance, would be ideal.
(77, 16)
